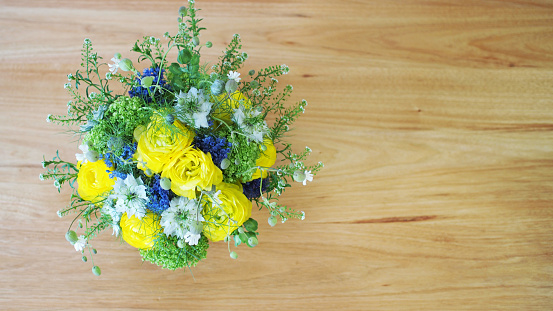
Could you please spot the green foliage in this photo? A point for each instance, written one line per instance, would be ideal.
(168, 255)
(242, 159)
(59, 171)
(119, 122)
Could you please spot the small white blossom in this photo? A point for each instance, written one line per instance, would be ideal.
(254, 131)
(302, 177)
(308, 177)
(82, 156)
(80, 244)
(113, 67)
(177, 219)
(110, 210)
(233, 75)
(191, 238)
(131, 197)
(202, 106)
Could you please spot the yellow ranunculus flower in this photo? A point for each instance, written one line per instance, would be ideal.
(232, 212)
(160, 142)
(266, 158)
(93, 180)
(191, 168)
(226, 105)
(140, 233)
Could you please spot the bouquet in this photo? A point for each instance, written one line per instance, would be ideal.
(177, 156)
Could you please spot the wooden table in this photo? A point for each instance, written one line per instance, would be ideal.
(434, 120)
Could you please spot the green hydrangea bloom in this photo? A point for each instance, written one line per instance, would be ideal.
(242, 158)
(119, 121)
(168, 255)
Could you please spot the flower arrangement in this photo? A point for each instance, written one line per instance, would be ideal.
(176, 160)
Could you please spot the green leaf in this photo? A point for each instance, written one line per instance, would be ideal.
(184, 56)
(251, 225)
(243, 237)
(195, 59)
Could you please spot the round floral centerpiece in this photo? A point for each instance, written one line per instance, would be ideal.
(177, 160)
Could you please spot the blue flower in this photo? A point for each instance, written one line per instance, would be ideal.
(218, 147)
(251, 188)
(140, 91)
(160, 199)
(114, 161)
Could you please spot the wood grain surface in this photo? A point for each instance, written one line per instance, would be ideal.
(434, 120)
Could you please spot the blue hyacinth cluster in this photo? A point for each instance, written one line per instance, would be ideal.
(159, 197)
(251, 188)
(218, 147)
(140, 91)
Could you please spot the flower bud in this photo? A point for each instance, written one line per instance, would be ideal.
(231, 86)
(217, 87)
(169, 119)
(165, 183)
(180, 243)
(208, 44)
(84, 259)
(254, 84)
(117, 56)
(233, 255)
(299, 176)
(126, 64)
(225, 164)
(71, 236)
(196, 41)
(147, 81)
(252, 72)
(183, 11)
(92, 155)
(252, 241)
(96, 270)
(272, 221)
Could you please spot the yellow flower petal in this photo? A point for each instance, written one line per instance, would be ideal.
(93, 180)
(222, 219)
(140, 233)
(160, 142)
(191, 169)
(266, 158)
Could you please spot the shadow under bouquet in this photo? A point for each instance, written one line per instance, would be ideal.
(176, 160)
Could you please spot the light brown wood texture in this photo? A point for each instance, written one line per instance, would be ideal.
(434, 120)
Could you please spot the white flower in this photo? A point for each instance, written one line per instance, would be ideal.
(192, 239)
(239, 116)
(110, 210)
(116, 229)
(80, 244)
(177, 218)
(113, 67)
(131, 196)
(308, 177)
(233, 75)
(201, 107)
(303, 177)
(200, 117)
(82, 156)
(254, 131)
